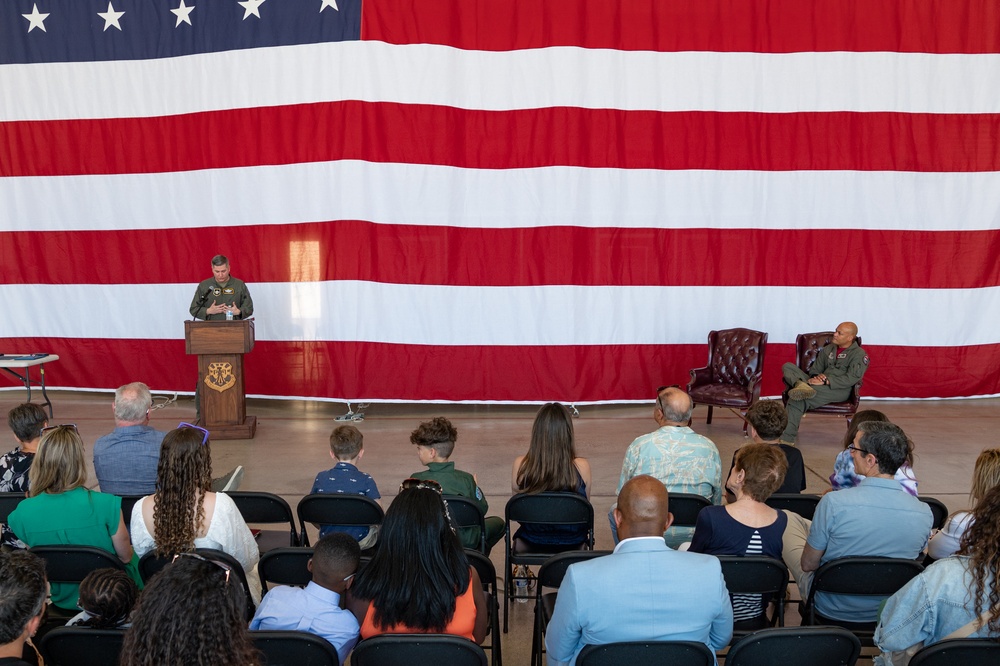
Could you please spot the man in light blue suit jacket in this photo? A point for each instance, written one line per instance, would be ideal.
(644, 591)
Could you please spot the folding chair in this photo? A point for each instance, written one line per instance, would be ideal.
(685, 508)
(337, 509)
(150, 564)
(858, 576)
(261, 508)
(465, 514)
(285, 566)
(804, 505)
(82, 646)
(128, 503)
(959, 652)
(816, 646)
(9, 502)
(71, 564)
(400, 649)
(294, 648)
(647, 653)
(938, 510)
(550, 575)
(757, 575)
(488, 577)
(550, 508)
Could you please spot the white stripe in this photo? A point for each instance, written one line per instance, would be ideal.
(426, 195)
(550, 315)
(551, 77)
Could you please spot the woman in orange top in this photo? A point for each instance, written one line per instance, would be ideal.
(419, 580)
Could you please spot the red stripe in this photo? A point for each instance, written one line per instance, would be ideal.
(385, 132)
(764, 26)
(351, 250)
(527, 374)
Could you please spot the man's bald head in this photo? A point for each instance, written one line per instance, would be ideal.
(642, 508)
(675, 405)
(845, 334)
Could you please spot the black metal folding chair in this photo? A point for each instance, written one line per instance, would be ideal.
(337, 509)
(285, 566)
(294, 648)
(405, 649)
(815, 646)
(82, 646)
(260, 508)
(488, 577)
(647, 653)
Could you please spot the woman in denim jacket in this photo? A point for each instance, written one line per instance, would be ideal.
(950, 593)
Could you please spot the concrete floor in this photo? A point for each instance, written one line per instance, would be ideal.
(291, 446)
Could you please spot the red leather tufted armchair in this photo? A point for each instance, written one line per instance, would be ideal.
(732, 376)
(807, 346)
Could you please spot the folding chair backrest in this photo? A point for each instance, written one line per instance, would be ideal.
(685, 508)
(938, 510)
(466, 513)
(816, 646)
(285, 566)
(150, 564)
(294, 648)
(82, 646)
(9, 502)
(754, 575)
(263, 508)
(647, 653)
(804, 505)
(71, 564)
(393, 650)
(337, 509)
(959, 652)
(563, 508)
(552, 572)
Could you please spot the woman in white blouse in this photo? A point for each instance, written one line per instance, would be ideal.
(185, 514)
(985, 476)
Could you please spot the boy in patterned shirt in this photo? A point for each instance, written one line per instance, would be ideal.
(347, 448)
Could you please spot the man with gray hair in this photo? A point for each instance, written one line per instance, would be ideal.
(125, 460)
(684, 461)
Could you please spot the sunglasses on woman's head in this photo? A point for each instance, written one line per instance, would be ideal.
(421, 484)
(195, 556)
(204, 440)
(61, 425)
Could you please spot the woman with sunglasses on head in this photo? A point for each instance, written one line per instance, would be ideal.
(419, 580)
(192, 612)
(185, 514)
(60, 510)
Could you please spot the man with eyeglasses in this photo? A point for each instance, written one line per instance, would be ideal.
(837, 368)
(875, 519)
(684, 461)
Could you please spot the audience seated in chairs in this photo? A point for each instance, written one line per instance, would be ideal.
(956, 597)
(23, 592)
(316, 608)
(985, 477)
(551, 465)
(747, 526)
(185, 514)
(419, 580)
(61, 511)
(192, 612)
(106, 597)
(845, 476)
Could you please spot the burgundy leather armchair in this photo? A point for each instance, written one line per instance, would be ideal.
(807, 346)
(732, 376)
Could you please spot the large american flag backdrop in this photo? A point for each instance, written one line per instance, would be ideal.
(502, 200)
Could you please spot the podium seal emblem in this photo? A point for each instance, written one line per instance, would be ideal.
(220, 377)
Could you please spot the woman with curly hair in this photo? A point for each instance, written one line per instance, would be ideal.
(551, 464)
(192, 612)
(953, 598)
(106, 597)
(60, 510)
(419, 580)
(185, 514)
(985, 475)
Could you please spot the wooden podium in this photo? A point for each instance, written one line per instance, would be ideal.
(220, 346)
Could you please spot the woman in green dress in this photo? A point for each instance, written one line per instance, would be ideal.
(60, 510)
